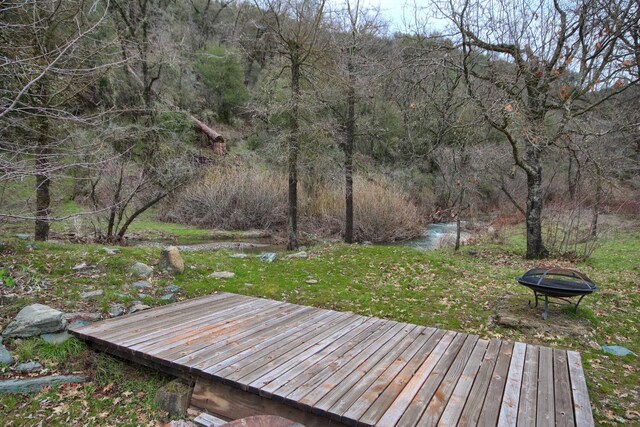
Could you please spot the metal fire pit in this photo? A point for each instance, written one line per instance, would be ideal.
(558, 283)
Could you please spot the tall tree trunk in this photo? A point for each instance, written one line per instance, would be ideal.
(294, 147)
(348, 155)
(535, 246)
(43, 197)
(597, 202)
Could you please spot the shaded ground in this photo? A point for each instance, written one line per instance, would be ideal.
(462, 292)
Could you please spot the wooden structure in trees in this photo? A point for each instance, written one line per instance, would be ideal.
(251, 356)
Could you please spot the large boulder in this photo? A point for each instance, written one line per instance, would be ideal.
(171, 261)
(35, 319)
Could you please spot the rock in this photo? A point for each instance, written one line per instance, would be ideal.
(57, 338)
(32, 246)
(141, 270)
(32, 385)
(115, 310)
(594, 345)
(5, 356)
(268, 257)
(29, 367)
(91, 294)
(222, 275)
(110, 251)
(35, 319)
(172, 289)
(77, 324)
(248, 284)
(298, 255)
(311, 282)
(138, 307)
(239, 255)
(23, 236)
(142, 285)
(142, 296)
(171, 261)
(80, 266)
(617, 350)
(168, 297)
(510, 322)
(174, 398)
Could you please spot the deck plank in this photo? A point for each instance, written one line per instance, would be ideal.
(545, 412)
(252, 355)
(529, 389)
(580, 394)
(511, 398)
(458, 398)
(562, 389)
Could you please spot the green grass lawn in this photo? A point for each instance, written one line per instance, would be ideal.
(438, 288)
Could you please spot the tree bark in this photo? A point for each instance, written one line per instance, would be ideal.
(43, 196)
(294, 147)
(348, 155)
(535, 246)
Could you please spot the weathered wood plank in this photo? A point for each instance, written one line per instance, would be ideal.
(491, 405)
(285, 343)
(562, 389)
(529, 389)
(314, 366)
(378, 407)
(473, 405)
(373, 373)
(415, 414)
(511, 397)
(282, 367)
(456, 401)
(545, 413)
(346, 377)
(373, 392)
(406, 396)
(581, 404)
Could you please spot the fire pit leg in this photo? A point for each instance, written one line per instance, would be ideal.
(546, 307)
(577, 304)
(536, 295)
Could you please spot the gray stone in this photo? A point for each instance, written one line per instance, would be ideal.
(35, 319)
(138, 307)
(617, 350)
(116, 310)
(141, 270)
(91, 294)
(311, 282)
(268, 257)
(80, 266)
(171, 261)
(222, 275)
(142, 285)
(57, 338)
(33, 385)
(143, 296)
(172, 289)
(110, 251)
(77, 324)
(5, 356)
(168, 297)
(23, 236)
(29, 367)
(32, 246)
(181, 423)
(298, 255)
(239, 256)
(174, 398)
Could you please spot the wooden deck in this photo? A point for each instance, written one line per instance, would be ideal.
(322, 367)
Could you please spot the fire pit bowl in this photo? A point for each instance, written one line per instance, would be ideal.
(559, 283)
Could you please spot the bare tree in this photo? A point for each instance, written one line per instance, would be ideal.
(51, 59)
(531, 67)
(295, 25)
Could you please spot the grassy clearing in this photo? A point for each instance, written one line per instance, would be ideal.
(439, 288)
